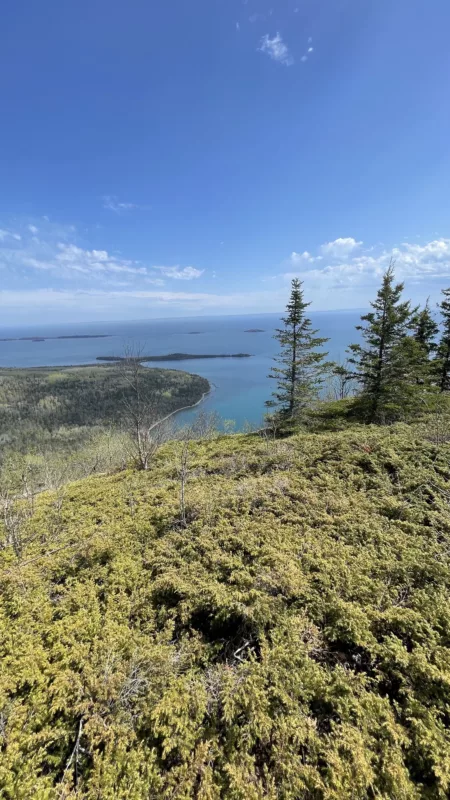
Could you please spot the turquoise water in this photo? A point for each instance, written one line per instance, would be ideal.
(240, 386)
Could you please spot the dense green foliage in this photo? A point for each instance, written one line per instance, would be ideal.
(63, 418)
(300, 373)
(443, 350)
(291, 640)
(385, 362)
(426, 329)
(49, 398)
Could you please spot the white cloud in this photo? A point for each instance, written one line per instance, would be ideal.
(301, 258)
(112, 203)
(93, 262)
(238, 27)
(33, 229)
(340, 248)
(181, 273)
(308, 52)
(7, 234)
(67, 260)
(430, 259)
(347, 266)
(342, 273)
(276, 49)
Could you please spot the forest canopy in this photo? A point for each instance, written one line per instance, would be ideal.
(63, 419)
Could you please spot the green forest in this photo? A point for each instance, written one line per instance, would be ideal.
(60, 423)
(256, 616)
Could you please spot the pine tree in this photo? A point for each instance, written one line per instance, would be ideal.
(423, 345)
(302, 368)
(383, 365)
(426, 329)
(443, 350)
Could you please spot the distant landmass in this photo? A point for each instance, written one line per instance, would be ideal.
(194, 333)
(254, 330)
(173, 357)
(45, 338)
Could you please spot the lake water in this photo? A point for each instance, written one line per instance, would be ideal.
(240, 386)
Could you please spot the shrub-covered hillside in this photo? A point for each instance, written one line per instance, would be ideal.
(284, 635)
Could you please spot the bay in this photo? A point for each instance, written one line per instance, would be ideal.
(240, 387)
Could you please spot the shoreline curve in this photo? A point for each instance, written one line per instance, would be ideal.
(178, 410)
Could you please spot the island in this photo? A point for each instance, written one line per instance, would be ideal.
(254, 330)
(173, 357)
(54, 338)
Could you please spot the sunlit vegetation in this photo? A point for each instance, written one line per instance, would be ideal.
(278, 629)
(262, 616)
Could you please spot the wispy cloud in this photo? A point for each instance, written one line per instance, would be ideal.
(181, 273)
(63, 257)
(112, 203)
(94, 262)
(276, 49)
(8, 234)
(238, 27)
(309, 51)
(154, 281)
(56, 272)
(258, 15)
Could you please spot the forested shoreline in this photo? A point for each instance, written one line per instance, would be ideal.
(55, 417)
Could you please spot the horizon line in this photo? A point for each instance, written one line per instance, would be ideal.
(194, 316)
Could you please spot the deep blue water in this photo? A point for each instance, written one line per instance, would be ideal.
(240, 386)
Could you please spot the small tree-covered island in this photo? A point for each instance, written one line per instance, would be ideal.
(190, 614)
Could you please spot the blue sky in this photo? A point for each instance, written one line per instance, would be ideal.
(179, 158)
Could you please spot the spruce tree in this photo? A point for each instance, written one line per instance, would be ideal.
(301, 364)
(423, 345)
(426, 329)
(383, 362)
(443, 350)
